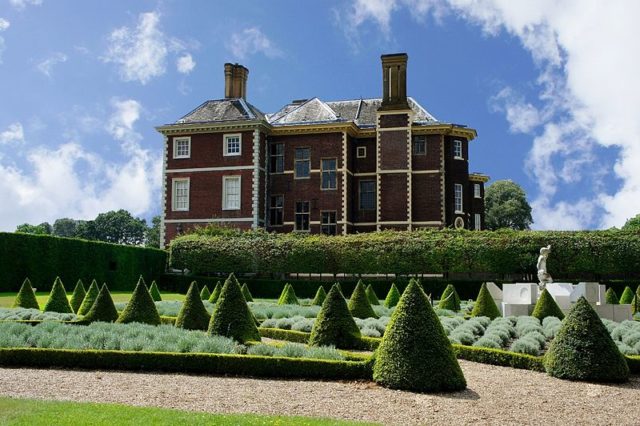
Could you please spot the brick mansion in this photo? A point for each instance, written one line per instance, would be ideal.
(332, 167)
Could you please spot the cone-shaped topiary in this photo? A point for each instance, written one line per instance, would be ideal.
(103, 308)
(635, 304)
(232, 317)
(77, 296)
(415, 353)
(26, 298)
(627, 296)
(359, 304)
(450, 299)
(205, 294)
(372, 296)
(392, 297)
(546, 306)
(89, 298)
(288, 296)
(340, 288)
(246, 293)
(485, 306)
(611, 297)
(583, 349)
(141, 307)
(155, 292)
(334, 324)
(215, 293)
(193, 315)
(58, 301)
(318, 299)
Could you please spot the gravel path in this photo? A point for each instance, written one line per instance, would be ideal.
(495, 395)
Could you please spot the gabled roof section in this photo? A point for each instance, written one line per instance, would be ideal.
(236, 109)
(310, 111)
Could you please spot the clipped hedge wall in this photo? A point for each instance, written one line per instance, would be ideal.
(575, 254)
(42, 258)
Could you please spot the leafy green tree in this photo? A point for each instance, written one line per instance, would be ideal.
(506, 206)
(153, 233)
(66, 227)
(119, 227)
(43, 229)
(632, 224)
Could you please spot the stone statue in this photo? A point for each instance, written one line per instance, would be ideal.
(543, 276)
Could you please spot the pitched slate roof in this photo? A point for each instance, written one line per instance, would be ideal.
(223, 110)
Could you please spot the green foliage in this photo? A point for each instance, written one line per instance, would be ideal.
(118, 227)
(318, 299)
(58, 301)
(205, 294)
(155, 292)
(393, 297)
(103, 308)
(288, 296)
(546, 306)
(415, 354)
(215, 293)
(77, 296)
(334, 324)
(140, 307)
(26, 298)
(152, 234)
(89, 298)
(42, 229)
(506, 206)
(485, 306)
(635, 303)
(450, 299)
(371, 294)
(287, 335)
(44, 257)
(584, 350)
(66, 227)
(627, 296)
(193, 315)
(246, 293)
(359, 304)
(232, 317)
(499, 357)
(632, 224)
(611, 297)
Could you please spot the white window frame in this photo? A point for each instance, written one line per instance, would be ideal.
(186, 139)
(323, 171)
(308, 213)
(298, 160)
(457, 148)
(361, 152)
(477, 221)
(226, 138)
(224, 191)
(458, 199)
(476, 190)
(174, 207)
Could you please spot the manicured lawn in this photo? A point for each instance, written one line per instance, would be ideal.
(45, 413)
(6, 299)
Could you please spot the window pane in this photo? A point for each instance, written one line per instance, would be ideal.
(302, 168)
(329, 173)
(232, 193)
(458, 197)
(367, 195)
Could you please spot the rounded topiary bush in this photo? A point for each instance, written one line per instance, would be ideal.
(485, 306)
(26, 297)
(584, 350)
(415, 353)
(393, 296)
(77, 296)
(58, 301)
(205, 294)
(450, 299)
(246, 293)
(318, 299)
(103, 308)
(155, 292)
(215, 293)
(611, 297)
(140, 307)
(546, 306)
(334, 324)
(372, 296)
(89, 298)
(288, 296)
(627, 296)
(232, 317)
(359, 304)
(193, 315)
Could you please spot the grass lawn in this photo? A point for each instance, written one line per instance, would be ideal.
(6, 299)
(34, 412)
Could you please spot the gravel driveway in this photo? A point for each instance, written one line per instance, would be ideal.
(495, 395)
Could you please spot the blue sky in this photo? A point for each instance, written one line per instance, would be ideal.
(551, 87)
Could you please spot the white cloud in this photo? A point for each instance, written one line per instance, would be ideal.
(4, 25)
(588, 97)
(14, 133)
(251, 41)
(46, 66)
(185, 64)
(21, 4)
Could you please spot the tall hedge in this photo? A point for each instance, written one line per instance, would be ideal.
(575, 254)
(26, 297)
(42, 258)
(58, 301)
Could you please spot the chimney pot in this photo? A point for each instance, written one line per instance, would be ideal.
(235, 81)
(394, 81)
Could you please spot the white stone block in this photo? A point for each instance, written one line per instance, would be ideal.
(622, 313)
(520, 293)
(561, 293)
(589, 290)
(602, 294)
(605, 311)
(495, 291)
(514, 309)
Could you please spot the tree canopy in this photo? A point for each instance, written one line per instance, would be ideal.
(506, 206)
(632, 224)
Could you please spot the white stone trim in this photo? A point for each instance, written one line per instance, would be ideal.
(394, 171)
(255, 194)
(443, 198)
(211, 220)
(429, 222)
(409, 175)
(211, 169)
(367, 174)
(164, 190)
(364, 223)
(394, 129)
(266, 182)
(425, 172)
(393, 222)
(378, 196)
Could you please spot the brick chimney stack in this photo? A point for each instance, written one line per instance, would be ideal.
(235, 81)
(394, 81)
